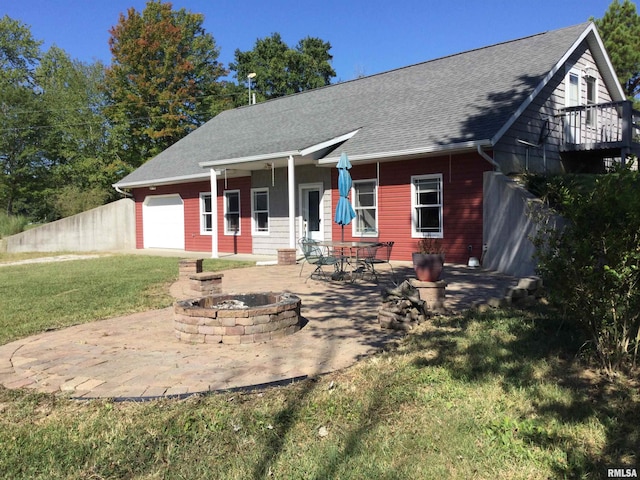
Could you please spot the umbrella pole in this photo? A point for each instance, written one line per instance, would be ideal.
(341, 255)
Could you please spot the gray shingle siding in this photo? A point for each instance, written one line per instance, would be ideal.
(512, 155)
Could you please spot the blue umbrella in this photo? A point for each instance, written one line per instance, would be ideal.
(344, 210)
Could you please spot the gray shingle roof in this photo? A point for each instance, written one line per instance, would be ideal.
(465, 97)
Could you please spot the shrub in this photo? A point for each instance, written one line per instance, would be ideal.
(592, 265)
(11, 224)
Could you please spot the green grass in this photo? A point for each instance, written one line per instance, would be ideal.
(494, 395)
(37, 297)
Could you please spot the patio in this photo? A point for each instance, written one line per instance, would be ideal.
(137, 357)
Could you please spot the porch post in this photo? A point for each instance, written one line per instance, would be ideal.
(291, 176)
(214, 213)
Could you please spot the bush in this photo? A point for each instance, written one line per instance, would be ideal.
(592, 265)
(11, 224)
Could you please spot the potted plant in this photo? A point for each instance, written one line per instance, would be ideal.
(428, 261)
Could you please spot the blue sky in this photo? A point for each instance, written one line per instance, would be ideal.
(367, 37)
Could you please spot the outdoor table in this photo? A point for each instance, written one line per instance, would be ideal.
(349, 252)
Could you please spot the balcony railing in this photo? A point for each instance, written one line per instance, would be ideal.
(613, 125)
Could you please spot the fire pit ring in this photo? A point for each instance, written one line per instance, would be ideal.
(235, 319)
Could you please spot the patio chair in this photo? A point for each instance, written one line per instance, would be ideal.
(305, 247)
(365, 260)
(314, 255)
(380, 254)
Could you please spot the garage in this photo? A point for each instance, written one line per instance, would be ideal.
(163, 221)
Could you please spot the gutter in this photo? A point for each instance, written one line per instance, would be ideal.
(429, 150)
(253, 158)
(164, 181)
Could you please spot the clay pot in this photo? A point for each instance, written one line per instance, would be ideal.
(428, 266)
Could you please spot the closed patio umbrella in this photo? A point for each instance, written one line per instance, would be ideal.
(344, 210)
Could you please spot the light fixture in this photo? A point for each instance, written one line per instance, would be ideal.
(251, 76)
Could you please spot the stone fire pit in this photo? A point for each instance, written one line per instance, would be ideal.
(235, 319)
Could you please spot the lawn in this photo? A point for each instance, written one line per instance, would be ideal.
(502, 394)
(37, 297)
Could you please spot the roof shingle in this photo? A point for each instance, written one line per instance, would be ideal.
(465, 97)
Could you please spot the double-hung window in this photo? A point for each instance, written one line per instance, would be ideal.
(365, 204)
(260, 210)
(232, 212)
(206, 215)
(426, 206)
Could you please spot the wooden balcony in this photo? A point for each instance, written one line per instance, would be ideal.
(601, 130)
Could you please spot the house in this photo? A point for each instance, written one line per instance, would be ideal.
(420, 139)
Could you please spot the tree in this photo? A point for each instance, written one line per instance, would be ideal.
(21, 160)
(620, 31)
(591, 265)
(76, 139)
(281, 70)
(163, 80)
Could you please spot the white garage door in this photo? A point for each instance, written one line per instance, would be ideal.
(163, 221)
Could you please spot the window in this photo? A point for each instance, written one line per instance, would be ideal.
(426, 206)
(206, 217)
(260, 209)
(365, 204)
(591, 100)
(573, 89)
(232, 212)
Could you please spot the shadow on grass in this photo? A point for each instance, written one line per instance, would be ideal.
(526, 350)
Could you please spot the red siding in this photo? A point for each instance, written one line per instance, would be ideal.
(190, 193)
(462, 198)
(193, 240)
(231, 243)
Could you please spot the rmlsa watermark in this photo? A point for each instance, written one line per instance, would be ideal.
(622, 473)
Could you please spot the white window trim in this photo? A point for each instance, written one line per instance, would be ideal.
(414, 220)
(354, 231)
(203, 231)
(593, 121)
(254, 230)
(567, 86)
(226, 230)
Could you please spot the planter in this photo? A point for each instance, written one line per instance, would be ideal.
(428, 266)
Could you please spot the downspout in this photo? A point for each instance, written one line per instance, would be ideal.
(126, 194)
(484, 155)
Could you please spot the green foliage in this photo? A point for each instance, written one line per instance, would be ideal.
(73, 199)
(591, 266)
(11, 224)
(559, 190)
(620, 31)
(77, 141)
(162, 83)
(281, 70)
(55, 138)
(21, 159)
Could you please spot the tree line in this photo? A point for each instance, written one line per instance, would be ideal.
(70, 129)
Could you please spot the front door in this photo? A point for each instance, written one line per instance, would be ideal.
(311, 211)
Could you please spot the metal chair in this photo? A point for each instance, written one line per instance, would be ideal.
(380, 253)
(314, 255)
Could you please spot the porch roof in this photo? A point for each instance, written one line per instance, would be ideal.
(454, 102)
